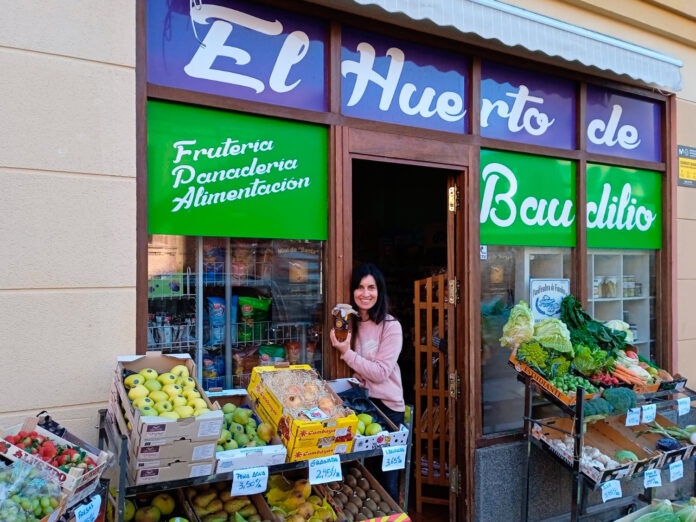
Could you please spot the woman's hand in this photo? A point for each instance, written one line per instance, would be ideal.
(341, 347)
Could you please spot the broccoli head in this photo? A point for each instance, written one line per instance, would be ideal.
(621, 399)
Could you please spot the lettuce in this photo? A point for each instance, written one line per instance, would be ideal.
(520, 326)
(554, 334)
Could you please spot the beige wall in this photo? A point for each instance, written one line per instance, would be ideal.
(667, 26)
(67, 169)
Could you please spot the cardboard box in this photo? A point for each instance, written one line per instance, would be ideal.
(72, 481)
(204, 427)
(303, 438)
(541, 381)
(607, 441)
(391, 436)
(648, 441)
(398, 517)
(171, 471)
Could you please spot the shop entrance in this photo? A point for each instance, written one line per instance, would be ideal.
(401, 222)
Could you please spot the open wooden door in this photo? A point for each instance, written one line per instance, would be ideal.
(437, 382)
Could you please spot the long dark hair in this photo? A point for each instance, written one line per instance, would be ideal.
(378, 312)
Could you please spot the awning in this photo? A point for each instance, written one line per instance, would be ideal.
(495, 22)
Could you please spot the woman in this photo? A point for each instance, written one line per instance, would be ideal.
(374, 353)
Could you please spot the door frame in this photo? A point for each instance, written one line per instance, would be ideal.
(347, 144)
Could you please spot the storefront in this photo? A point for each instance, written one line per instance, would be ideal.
(280, 148)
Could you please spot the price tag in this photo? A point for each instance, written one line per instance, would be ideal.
(88, 512)
(611, 490)
(649, 411)
(676, 470)
(652, 478)
(683, 405)
(325, 469)
(633, 417)
(249, 481)
(393, 457)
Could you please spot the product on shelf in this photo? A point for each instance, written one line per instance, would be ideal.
(360, 497)
(68, 464)
(213, 503)
(297, 501)
(309, 416)
(27, 494)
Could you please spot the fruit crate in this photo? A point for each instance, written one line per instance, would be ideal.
(304, 439)
(204, 427)
(72, 481)
(352, 474)
(220, 491)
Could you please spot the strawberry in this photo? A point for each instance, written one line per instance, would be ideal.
(20, 445)
(33, 434)
(22, 434)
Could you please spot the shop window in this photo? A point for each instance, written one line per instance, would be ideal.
(622, 286)
(505, 280)
(233, 304)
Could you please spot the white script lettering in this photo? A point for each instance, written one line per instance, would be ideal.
(534, 122)
(627, 137)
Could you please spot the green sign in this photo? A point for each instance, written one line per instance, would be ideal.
(215, 173)
(624, 207)
(527, 200)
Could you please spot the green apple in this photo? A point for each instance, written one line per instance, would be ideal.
(230, 444)
(167, 378)
(200, 411)
(164, 502)
(180, 370)
(184, 411)
(148, 373)
(228, 408)
(153, 385)
(132, 380)
(143, 401)
(178, 400)
(158, 395)
(172, 389)
(128, 510)
(367, 419)
(148, 411)
(373, 429)
(241, 438)
(197, 404)
(163, 406)
(224, 435)
(138, 391)
(169, 415)
(147, 514)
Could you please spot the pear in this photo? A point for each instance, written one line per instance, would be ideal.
(293, 501)
(147, 514)
(304, 487)
(228, 408)
(241, 415)
(306, 509)
(223, 436)
(204, 499)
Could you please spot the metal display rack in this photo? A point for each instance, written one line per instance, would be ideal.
(581, 484)
(111, 438)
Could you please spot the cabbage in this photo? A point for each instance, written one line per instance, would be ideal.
(554, 334)
(621, 326)
(520, 326)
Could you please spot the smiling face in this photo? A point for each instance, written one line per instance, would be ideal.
(365, 295)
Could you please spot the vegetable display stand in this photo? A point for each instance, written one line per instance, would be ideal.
(608, 435)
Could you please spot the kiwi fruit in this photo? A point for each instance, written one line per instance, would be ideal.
(347, 490)
(333, 486)
(384, 507)
(348, 516)
(359, 492)
(363, 483)
(341, 497)
(338, 503)
(367, 512)
(357, 501)
(360, 516)
(351, 481)
(374, 495)
(380, 513)
(355, 472)
(351, 508)
(370, 504)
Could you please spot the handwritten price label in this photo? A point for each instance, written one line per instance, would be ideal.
(393, 457)
(325, 469)
(249, 481)
(652, 478)
(676, 470)
(611, 490)
(649, 412)
(633, 417)
(88, 512)
(683, 405)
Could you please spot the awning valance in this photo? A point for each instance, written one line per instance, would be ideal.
(512, 26)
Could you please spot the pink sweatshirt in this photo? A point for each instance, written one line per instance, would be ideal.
(374, 360)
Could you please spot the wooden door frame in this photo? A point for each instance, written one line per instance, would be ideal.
(347, 144)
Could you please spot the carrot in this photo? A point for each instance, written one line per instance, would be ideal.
(622, 373)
